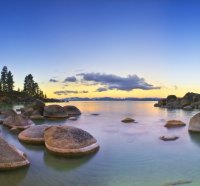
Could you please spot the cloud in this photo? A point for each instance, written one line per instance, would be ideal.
(66, 92)
(53, 80)
(70, 79)
(128, 83)
(101, 89)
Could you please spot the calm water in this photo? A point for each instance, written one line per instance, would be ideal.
(130, 154)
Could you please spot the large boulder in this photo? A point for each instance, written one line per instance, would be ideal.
(33, 135)
(72, 110)
(194, 124)
(174, 123)
(55, 111)
(11, 157)
(69, 141)
(18, 122)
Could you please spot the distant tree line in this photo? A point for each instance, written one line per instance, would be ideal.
(31, 88)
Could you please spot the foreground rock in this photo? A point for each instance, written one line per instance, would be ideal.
(10, 157)
(174, 123)
(18, 122)
(169, 138)
(33, 135)
(128, 120)
(189, 102)
(194, 124)
(69, 141)
(72, 110)
(55, 111)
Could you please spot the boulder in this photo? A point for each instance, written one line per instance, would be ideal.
(69, 141)
(174, 123)
(36, 106)
(72, 110)
(169, 138)
(55, 111)
(19, 122)
(171, 98)
(11, 157)
(128, 120)
(194, 124)
(33, 135)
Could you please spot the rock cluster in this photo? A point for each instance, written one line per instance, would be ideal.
(189, 102)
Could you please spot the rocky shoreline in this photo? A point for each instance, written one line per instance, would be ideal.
(189, 101)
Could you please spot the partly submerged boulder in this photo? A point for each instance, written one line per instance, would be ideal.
(128, 120)
(69, 141)
(174, 123)
(194, 124)
(55, 111)
(72, 110)
(11, 157)
(33, 135)
(18, 121)
(169, 138)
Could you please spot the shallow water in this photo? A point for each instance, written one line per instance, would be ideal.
(129, 155)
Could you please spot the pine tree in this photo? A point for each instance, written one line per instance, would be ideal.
(9, 82)
(0, 86)
(4, 73)
(32, 88)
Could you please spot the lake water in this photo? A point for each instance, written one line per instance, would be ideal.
(129, 155)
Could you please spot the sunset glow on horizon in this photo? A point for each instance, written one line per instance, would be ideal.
(103, 48)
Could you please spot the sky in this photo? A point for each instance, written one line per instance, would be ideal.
(98, 48)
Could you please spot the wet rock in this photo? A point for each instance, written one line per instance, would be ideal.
(55, 111)
(33, 135)
(194, 124)
(11, 157)
(69, 141)
(174, 123)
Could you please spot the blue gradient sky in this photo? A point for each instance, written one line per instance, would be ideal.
(156, 40)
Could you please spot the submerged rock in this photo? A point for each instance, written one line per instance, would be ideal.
(194, 124)
(33, 135)
(55, 111)
(174, 123)
(69, 141)
(128, 120)
(18, 121)
(179, 182)
(169, 138)
(11, 157)
(72, 110)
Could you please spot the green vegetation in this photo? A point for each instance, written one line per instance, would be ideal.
(30, 91)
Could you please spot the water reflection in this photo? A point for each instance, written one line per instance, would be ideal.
(63, 163)
(13, 177)
(195, 137)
